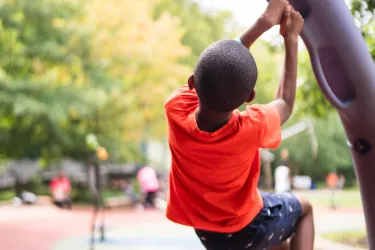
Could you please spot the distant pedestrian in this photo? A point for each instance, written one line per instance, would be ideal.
(149, 184)
(61, 189)
(332, 182)
(341, 182)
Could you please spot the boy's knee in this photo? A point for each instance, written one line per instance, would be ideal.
(306, 205)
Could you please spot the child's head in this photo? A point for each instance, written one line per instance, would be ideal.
(225, 76)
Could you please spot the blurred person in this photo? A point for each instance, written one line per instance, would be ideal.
(215, 147)
(341, 182)
(149, 185)
(283, 181)
(285, 157)
(283, 177)
(332, 182)
(60, 189)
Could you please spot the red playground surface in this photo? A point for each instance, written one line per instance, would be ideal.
(39, 227)
(47, 227)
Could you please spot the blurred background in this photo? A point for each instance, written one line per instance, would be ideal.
(82, 88)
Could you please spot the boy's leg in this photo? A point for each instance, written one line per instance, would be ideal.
(149, 198)
(294, 222)
(333, 199)
(68, 203)
(284, 246)
(305, 232)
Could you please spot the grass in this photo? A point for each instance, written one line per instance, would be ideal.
(345, 198)
(6, 195)
(352, 238)
(107, 193)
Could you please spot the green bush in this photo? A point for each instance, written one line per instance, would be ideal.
(352, 238)
(81, 193)
(6, 194)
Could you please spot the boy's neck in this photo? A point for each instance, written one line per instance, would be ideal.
(209, 120)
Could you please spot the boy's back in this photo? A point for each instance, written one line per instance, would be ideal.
(214, 176)
(215, 148)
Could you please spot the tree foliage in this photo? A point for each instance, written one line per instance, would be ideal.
(310, 99)
(333, 153)
(70, 68)
(43, 72)
(200, 28)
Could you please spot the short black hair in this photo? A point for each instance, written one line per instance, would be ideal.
(225, 75)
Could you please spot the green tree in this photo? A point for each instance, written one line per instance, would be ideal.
(43, 76)
(310, 99)
(143, 54)
(200, 27)
(270, 66)
(333, 152)
(69, 68)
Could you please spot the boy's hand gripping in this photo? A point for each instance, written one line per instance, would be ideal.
(274, 12)
(292, 23)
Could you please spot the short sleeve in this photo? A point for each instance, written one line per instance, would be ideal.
(238, 39)
(181, 101)
(269, 125)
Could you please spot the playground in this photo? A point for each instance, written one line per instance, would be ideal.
(50, 228)
(88, 119)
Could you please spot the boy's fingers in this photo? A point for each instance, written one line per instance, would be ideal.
(286, 13)
(288, 9)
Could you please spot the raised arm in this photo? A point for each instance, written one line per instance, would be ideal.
(290, 29)
(271, 17)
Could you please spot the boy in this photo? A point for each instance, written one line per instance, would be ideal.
(215, 148)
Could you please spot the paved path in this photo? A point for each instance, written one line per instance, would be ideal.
(47, 228)
(339, 221)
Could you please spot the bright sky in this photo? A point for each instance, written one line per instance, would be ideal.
(244, 11)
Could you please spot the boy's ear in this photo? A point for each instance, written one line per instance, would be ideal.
(252, 96)
(191, 82)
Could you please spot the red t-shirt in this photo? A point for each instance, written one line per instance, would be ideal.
(214, 176)
(332, 180)
(60, 183)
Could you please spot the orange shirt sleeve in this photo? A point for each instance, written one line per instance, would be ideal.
(269, 125)
(182, 101)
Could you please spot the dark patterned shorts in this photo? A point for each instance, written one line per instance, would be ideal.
(274, 224)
